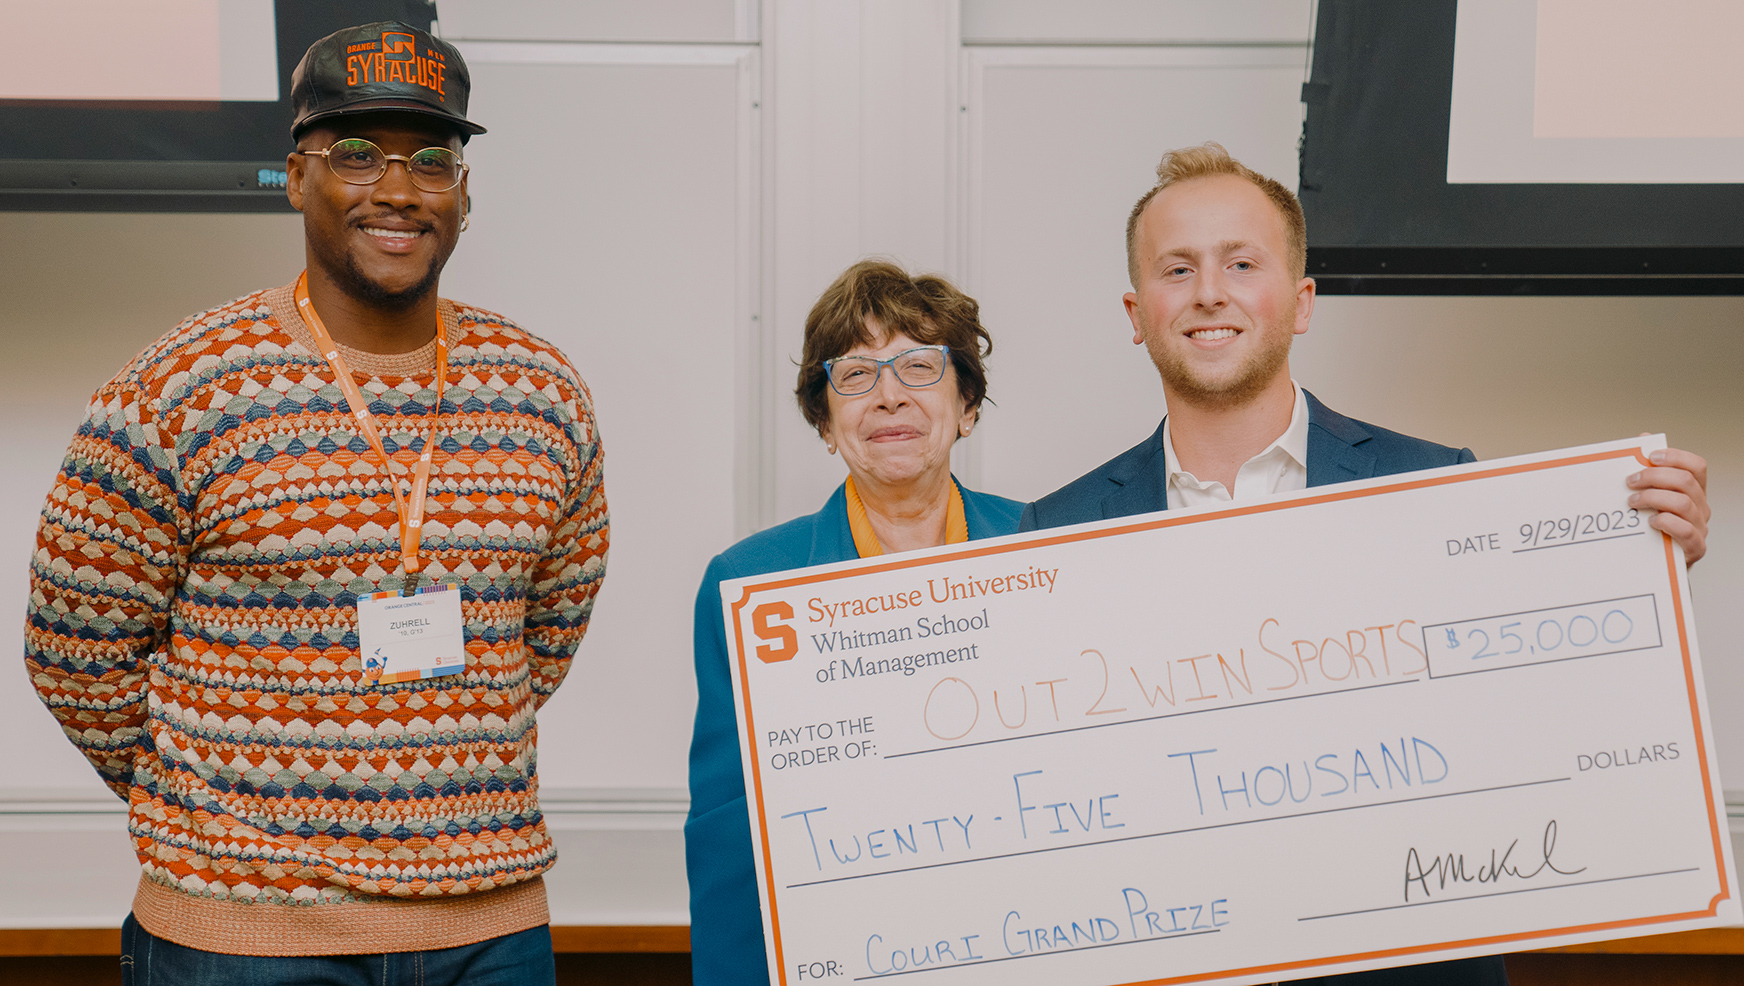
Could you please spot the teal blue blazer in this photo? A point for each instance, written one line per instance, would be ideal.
(726, 923)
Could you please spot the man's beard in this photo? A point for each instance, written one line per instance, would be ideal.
(343, 267)
(361, 287)
(1234, 389)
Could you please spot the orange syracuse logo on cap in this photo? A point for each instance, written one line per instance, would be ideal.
(398, 46)
(397, 61)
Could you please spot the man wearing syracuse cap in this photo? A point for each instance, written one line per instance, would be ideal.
(314, 560)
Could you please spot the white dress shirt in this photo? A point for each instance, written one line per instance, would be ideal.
(1281, 468)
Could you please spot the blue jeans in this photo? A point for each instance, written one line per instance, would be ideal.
(520, 959)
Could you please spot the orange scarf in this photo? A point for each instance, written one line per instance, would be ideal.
(866, 542)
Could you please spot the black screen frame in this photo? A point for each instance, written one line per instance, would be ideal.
(167, 157)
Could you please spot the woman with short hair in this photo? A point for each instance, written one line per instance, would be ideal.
(891, 377)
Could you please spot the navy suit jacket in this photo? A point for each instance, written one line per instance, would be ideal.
(1340, 449)
(726, 922)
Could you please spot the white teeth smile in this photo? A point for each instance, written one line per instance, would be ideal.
(393, 234)
(1211, 335)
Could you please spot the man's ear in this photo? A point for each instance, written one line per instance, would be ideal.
(296, 169)
(1305, 291)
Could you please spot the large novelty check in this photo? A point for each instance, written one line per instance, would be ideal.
(1442, 714)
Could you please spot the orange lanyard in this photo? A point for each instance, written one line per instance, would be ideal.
(411, 514)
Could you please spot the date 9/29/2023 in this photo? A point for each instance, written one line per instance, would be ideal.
(1581, 527)
(1552, 532)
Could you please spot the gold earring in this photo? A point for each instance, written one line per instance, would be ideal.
(465, 221)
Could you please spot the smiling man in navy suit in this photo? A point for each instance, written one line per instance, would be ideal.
(1216, 253)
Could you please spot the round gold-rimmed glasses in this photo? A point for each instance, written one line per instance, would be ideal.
(359, 162)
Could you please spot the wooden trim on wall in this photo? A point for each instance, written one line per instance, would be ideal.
(60, 941)
(1708, 941)
(621, 938)
(564, 938)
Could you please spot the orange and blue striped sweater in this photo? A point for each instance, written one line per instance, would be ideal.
(192, 624)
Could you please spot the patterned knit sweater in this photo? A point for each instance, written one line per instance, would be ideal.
(193, 617)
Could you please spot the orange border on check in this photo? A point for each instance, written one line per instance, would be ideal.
(1157, 523)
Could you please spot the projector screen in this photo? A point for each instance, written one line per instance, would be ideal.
(168, 51)
(173, 105)
(1507, 146)
(1597, 91)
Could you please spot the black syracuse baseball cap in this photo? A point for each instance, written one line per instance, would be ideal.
(381, 66)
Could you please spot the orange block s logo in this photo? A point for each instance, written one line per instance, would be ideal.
(399, 46)
(787, 646)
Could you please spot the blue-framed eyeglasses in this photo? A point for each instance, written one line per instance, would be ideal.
(921, 366)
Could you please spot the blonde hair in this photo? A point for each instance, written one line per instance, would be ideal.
(1206, 160)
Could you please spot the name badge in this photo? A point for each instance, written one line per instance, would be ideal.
(404, 638)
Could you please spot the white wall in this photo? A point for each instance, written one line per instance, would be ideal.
(614, 233)
(80, 294)
(667, 187)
